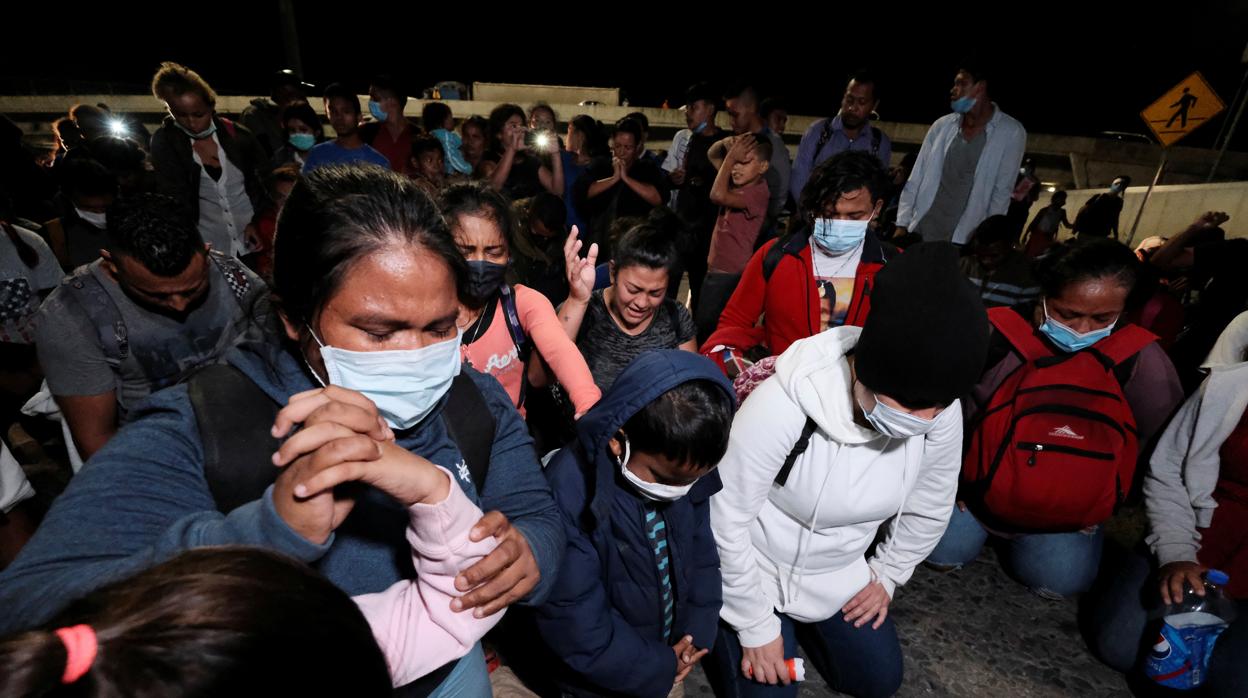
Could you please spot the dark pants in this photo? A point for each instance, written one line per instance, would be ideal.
(1120, 632)
(857, 661)
(717, 288)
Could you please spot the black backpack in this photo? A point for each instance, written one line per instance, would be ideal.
(234, 415)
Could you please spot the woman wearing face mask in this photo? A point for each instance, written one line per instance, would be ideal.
(365, 279)
(1085, 287)
(303, 130)
(857, 426)
(633, 315)
(211, 163)
(502, 324)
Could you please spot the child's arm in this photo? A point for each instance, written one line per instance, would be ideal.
(552, 177)
(721, 194)
(565, 360)
(412, 620)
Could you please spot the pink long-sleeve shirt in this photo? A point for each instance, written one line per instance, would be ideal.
(494, 352)
(412, 620)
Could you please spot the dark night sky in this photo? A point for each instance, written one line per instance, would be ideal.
(1063, 68)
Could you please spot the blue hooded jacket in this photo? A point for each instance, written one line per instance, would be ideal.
(604, 616)
(143, 499)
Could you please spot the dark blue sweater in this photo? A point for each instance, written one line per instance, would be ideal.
(604, 617)
(143, 498)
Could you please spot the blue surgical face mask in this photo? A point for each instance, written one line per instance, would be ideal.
(1069, 340)
(405, 384)
(375, 109)
(839, 235)
(700, 127)
(206, 133)
(302, 141)
(962, 105)
(894, 423)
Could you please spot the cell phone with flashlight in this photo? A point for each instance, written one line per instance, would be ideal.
(541, 140)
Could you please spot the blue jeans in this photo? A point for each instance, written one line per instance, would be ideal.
(1120, 631)
(1051, 564)
(469, 678)
(856, 661)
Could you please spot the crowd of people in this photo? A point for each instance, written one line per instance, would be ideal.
(424, 401)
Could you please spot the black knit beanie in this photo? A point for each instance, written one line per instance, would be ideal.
(926, 338)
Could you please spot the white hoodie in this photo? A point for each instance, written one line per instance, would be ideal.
(801, 549)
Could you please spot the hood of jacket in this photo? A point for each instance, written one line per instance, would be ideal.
(816, 376)
(642, 382)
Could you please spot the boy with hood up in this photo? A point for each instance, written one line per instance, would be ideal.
(637, 598)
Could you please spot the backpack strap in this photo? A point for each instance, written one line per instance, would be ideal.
(1019, 333)
(799, 447)
(824, 136)
(233, 416)
(1123, 344)
(791, 244)
(523, 346)
(100, 308)
(876, 138)
(235, 275)
(229, 126)
(471, 425)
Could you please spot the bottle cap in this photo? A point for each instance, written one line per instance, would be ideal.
(797, 669)
(1217, 577)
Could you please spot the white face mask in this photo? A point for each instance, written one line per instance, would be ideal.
(653, 491)
(98, 220)
(894, 423)
(405, 384)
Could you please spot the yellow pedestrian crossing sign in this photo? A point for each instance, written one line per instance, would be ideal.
(1185, 108)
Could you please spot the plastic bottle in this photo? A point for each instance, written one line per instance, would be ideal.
(1190, 628)
(797, 669)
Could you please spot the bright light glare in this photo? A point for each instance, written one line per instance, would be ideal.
(543, 140)
(117, 127)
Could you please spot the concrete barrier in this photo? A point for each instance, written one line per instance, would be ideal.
(1170, 209)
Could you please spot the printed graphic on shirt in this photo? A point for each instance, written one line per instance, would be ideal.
(15, 311)
(834, 297)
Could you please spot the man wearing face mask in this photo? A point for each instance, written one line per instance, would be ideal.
(855, 427)
(967, 165)
(87, 190)
(390, 133)
(1098, 218)
(814, 279)
(157, 305)
(636, 602)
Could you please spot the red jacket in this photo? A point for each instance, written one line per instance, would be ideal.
(777, 301)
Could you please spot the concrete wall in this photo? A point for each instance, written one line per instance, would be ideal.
(1170, 209)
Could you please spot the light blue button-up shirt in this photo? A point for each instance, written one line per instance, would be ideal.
(994, 176)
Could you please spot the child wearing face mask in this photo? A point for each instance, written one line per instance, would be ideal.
(502, 324)
(857, 426)
(637, 598)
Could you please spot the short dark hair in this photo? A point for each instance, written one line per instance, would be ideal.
(542, 106)
(550, 210)
(977, 68)
(338, 90)
(688, 424)
(650, 243)
(478, 199)
(86, 177)
(1076, 261)
(426, 143)
(767, 106)
(993, 230)
(842, 173)
(434, 115)
(498, 120)
(173, 80)
(305, 113)
(477, 122)
(865, 77)
(763, 148)
(640, 118)
(390, 86)
(702, 92)
(336, 216)
(630, 125)
(211, 621)
(1126, 180)
(155, 230)
(285, 174)
(594, 132)
(746, 91)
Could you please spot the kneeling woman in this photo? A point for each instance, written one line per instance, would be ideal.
(501, 324)
(366, 284)
(857, 425)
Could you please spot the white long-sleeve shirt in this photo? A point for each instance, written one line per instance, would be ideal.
(801, 549)
(994, 175)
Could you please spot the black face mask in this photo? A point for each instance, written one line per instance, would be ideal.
(484, 278)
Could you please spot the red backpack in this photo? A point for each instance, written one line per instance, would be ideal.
(1055, 448)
